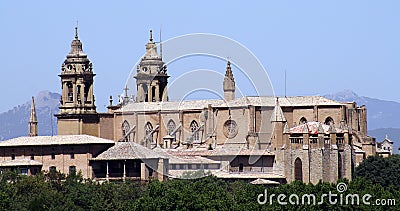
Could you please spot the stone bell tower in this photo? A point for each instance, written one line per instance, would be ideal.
(151, 77)
(77, 104)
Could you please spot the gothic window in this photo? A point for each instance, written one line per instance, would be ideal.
(194, 128)
(70, 91)
(125, 129)
(149, 129)
(171, 126)
(298, 169)
(303, 120)
(329, 121)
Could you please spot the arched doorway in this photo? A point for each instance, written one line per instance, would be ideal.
(298, 169)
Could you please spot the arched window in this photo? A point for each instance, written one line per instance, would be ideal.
(303, 120)
(149, 128)
(298, 169)
(70, 91)
(146, 93)
(171, 126)
(329, 121)
(194, 128)
(125, 130)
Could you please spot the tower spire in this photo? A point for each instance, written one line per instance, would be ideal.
(229, 83)
(33, 128)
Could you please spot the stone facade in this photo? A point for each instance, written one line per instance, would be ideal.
(278, 129)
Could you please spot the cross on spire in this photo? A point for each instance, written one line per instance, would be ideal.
(151, 35)
(126, 89)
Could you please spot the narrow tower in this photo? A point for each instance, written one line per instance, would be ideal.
(229, 84)
(151, 77)
(77, 81)
(33, 123)
(77, 105)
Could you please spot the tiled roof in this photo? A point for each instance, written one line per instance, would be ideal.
(128, 151)
(20, 162)
(54, 140)
(240, 102)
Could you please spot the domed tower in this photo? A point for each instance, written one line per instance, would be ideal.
(77, 81)
(77, 105)
(151, 77)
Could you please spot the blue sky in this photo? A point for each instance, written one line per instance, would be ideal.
(325, 46)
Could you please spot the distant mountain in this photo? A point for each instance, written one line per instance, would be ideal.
(14, 123)
(380, 113)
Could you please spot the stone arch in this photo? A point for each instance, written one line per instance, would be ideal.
(298, 169)
(329, 121)
(303, 120)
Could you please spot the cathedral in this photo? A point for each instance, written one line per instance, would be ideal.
(278, 139)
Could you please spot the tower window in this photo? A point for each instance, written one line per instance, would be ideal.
(13, 157)
(153, 94)
(53, 156)
(86, 92)
(78, 91)
(32, 157)
(70, 91)
(72, 155)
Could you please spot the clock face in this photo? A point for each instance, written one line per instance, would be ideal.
(144, 69)
(230, 129)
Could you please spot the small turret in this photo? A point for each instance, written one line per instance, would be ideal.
(229, 83)
(33, 123)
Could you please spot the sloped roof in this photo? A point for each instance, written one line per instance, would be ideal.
(128, 151)
(20, 162)
(264, 182)
(268, 101)
(54, 140)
